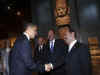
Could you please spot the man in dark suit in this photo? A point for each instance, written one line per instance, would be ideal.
(78, 57)
(55, 50)
(39, 53)
(21, 62)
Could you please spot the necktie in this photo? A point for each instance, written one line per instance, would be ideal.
(52, 47)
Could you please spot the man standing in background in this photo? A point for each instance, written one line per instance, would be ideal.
(39, 53)
(55, 50)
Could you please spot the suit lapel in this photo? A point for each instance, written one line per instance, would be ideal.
(55, 45)
(48, 47)
(74, 48)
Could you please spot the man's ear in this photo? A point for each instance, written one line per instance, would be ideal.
(73, 34)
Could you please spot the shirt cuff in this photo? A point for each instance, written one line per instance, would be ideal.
(51, 65)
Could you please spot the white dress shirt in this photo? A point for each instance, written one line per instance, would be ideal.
(71, 45)
(40, 47)
(51, 43)
(26, 35)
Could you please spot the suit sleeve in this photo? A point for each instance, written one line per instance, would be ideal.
(60, 56)
(26, 55)
(36, 54)
(85, 60)
(59, 61)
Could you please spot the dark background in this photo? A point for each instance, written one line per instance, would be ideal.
(43, 15)
(89, 18)
(84, 15)
(10, 22)
(86, 18)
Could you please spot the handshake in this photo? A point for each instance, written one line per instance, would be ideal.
(48, 67)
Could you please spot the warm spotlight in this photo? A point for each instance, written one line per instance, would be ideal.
(18, 13)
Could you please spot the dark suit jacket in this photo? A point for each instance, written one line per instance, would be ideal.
(39, 55)
(57, 58)
(21, 62)
(78, 60)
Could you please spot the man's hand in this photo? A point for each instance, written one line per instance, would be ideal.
(48, 67)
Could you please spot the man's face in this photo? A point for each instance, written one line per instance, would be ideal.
(33, 32)
(51, 35)
(68, 36)
(40, 41)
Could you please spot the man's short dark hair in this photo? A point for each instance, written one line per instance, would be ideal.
(26, 25)
(66, 25)
(53, 30)
(71, 29)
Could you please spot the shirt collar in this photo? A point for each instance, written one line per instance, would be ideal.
(72, 44)
(26, 35)
(52, 40)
